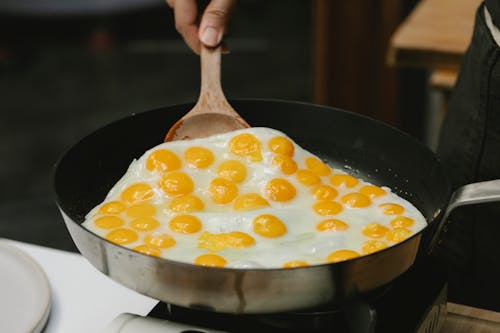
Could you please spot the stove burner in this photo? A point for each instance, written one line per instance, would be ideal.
(415, 302)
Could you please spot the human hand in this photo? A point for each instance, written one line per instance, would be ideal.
(212, 26)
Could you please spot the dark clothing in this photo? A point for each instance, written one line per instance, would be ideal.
(494, 9)
(469, 148)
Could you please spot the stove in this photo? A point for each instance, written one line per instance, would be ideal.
(415, 302)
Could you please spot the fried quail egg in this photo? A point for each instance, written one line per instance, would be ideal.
(249, 199)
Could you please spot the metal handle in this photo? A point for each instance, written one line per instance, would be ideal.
(470, 194)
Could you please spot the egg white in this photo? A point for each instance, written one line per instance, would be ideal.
(301, 242)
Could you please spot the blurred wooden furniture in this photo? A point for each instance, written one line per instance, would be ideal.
(435, 36)
(466, 319)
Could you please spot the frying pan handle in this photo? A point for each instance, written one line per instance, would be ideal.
(470, 194)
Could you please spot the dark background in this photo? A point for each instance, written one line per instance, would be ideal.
(66, 71)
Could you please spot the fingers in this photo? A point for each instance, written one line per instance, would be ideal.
(214, 21)
(185, 15)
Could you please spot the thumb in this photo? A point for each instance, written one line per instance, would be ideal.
(214, 21)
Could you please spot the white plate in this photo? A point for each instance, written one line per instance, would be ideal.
(24, 292)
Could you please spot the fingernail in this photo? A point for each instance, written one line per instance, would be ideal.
(211, 36)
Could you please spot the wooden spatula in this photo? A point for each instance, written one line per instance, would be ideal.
(212, 114)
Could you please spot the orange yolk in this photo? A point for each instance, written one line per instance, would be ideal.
(145, 223)
(211, 260)
(199, 157)
(375, 230)
(372, 246)
(222, 191)
(397, 235)
(246, 145)
(341, 255)
(286, 164)
(372, 191)
(122, 236)
(160, 240)
(186, 204)
(185, 224)
(332, 225)
(307, 178)
(176, 183)
(148, 249)
(269, 226)
(232, 170)
(346, 180)
(136, 193)
(280, 190)
(139, 210)
(281, 145)
(295, 263)
(249, 201)
(392, 209)
(111, 208)
(108, 222)
(239, 239)
(327, 208)
(219, 242)
(402, 222)
(163, 160)
(356, 200)
(324, 192)
(317, 166)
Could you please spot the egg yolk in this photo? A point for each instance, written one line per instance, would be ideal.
(186, 204)
(176, 183)
(232, 170)
(392, 209)
(239, 240)
(356, 200)
(324, 192)
(346, 180)
(307, 178)
(148, 249)
(246, 145)
(219, 242)
(108, 222)
(185, 224)
(199, 157)
(136, 193)
(280, 190)
(163, 160)
(402, 222)
(375, 230)
(122, 236)
(295, 263)
(142, 209)
(327, 208)
(397, 235)
(285, 163)
(372, 246)
(317, 166)
(332, 225)
(249, 201)
(211, 260)
(112, 208)
(269, 226)
(372, 191)
(222, 191)
(281, 145)
(145, 223)
(162, 241)
(341, 255)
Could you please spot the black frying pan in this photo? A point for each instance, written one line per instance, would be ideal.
(368, 149)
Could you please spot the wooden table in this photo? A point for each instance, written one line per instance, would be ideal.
(435, 36)
(465, 319)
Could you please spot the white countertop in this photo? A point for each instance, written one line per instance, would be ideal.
(82, 298)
